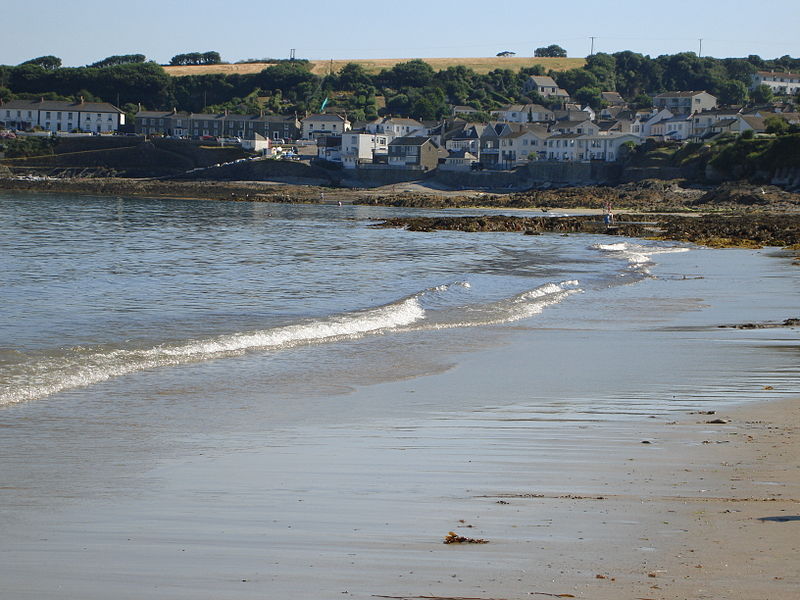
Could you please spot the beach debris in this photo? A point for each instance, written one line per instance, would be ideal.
(646, 442)
(502, 502)
(453, 538)
(551, 595)
(439, 597)
(719, 421)
(768, 387)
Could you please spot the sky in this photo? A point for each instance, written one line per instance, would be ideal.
(87, 31)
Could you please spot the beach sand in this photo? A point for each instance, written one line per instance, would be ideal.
(585, 457)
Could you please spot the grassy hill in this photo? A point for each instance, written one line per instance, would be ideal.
(480, 65)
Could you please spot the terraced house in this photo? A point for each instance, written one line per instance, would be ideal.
(199, 125)
(61, 116)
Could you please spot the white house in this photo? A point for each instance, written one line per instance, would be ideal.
(256, 143)
(644, 120)
(582, 148)
(459, 160)
(685, 103)
(702, 122)
(395, 127)
(359, 147)
(523, 113)
(545, 86)
(779, 83)
(586, 127)
(517, 144)
(676, 128)
(330, 148)
(323, 125)
(57, 116)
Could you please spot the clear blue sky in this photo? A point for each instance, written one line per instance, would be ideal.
(89, 30)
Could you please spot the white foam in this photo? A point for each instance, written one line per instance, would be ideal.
(53, 375)
(637, 255)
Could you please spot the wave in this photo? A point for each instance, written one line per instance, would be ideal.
(81, 367)
(638, 256)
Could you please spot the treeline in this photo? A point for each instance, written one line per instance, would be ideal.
(411, 88)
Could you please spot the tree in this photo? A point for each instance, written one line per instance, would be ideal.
(119, 59)
(604, 67)
(551, 51)
(732, 92)
(49, 62)
(414, 73)
(589, 96)
(196, 58)
(352, 76)
(776, 125)
(574, 79)
(286, 76)
(762, 94)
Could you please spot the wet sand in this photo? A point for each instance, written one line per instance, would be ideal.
(582, 455)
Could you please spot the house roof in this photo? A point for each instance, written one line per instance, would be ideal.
(159, 114)
(688, 94)
(401, 121)
(569, 123)
(523, 108)
(329, 141)
(718, 111)
(572, 115)
(324, 117)
(777, 74)
(411, 140)
(756, 123)
(613, 97)
(462, 154)
(724, 123)
(60, 105)
(543, 80)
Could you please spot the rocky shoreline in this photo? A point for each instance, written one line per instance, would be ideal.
(732, 214)
(752, 230)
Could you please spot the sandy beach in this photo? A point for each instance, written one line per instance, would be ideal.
(618, 445)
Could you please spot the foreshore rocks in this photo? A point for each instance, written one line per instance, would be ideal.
(644, 196)
(736, 214)
(751, 230)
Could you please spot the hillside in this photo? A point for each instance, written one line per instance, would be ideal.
(480, 65)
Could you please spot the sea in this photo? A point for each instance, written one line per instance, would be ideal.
(138, 332)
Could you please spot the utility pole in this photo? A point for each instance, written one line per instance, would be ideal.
(700, 55)
(593, 38)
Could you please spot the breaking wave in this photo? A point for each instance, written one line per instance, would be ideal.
(81, 367)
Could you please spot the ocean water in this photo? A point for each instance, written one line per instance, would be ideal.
(153, 350)
(97, 289)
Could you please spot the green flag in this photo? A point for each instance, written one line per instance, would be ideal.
(324, 104)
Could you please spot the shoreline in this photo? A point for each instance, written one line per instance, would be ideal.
(775, 223)
(575, 499)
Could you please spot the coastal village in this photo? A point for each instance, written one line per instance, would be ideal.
(518, 134)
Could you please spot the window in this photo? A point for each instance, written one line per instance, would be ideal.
(46, 115)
